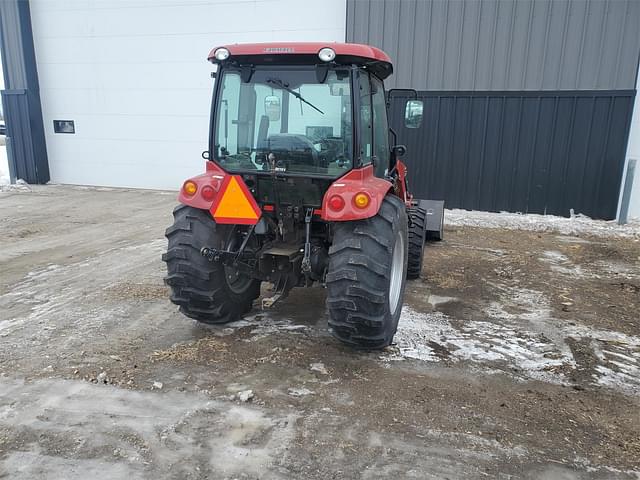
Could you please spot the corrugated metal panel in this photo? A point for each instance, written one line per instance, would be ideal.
(521, 152)
(14, 77)
(21, 102)
(480, 45)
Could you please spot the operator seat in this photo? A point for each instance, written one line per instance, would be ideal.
(263, 131)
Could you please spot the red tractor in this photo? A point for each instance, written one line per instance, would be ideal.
(302, 187)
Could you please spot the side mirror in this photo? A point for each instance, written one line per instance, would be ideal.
(399, 150)
(413, 114)
(272, 108)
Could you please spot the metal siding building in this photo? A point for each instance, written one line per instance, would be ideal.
(527, 103)
(134, 77)
(478, 45)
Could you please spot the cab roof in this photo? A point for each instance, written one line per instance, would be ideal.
(307, 52)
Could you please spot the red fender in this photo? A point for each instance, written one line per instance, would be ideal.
(400, 186)
(356, 181)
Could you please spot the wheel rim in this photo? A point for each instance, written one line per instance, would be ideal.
(236, 281)
(397, 267)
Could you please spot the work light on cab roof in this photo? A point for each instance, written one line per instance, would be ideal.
(281, 53)
(302, 186)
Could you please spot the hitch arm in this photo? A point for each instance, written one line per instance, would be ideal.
(306, 259)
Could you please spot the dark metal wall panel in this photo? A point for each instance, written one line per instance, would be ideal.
(532, 152)
(17, 115)
(21, 99)
(479, 45)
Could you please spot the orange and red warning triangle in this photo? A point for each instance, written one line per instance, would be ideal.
(234, 203)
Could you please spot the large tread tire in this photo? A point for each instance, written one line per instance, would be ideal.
(417, 238)
(359, 277)
(200, 287)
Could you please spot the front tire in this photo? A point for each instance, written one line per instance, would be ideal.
(205, 291)
(367, 276)
(417, 238)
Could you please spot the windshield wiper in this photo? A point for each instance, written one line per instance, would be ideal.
(280, 83)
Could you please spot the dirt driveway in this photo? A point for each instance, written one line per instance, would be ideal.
(517, 356)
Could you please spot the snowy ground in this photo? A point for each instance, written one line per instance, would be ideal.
(576, 225)
(4, 166)
(517, 356)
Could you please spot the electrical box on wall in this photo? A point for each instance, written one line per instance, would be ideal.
(64, 126)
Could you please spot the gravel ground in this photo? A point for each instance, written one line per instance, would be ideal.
(517, 356)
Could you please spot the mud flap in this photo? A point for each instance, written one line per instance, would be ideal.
(435, 218)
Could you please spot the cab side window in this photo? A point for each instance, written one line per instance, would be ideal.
(366, 119)
(380, 127)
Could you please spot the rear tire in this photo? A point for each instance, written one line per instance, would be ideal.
(417, 238)
(367, 276)
(201, 288)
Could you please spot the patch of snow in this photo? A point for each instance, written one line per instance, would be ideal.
(560, 263)
(300, 392)
(436, 300)
(263, 325)
(19, 186)
(432, 337)
(575, 225)
(176, 428)
(4, 166)
(553, 256)
(611, 267)
(319, 367)
(245, 395)
(519, 332)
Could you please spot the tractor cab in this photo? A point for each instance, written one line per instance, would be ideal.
(303, 187)
(304, 110)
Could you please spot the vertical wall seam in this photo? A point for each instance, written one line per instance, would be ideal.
(585, 22)
(550, 150)
(413, 35)
(584, 165)
(477, 46)
(545, 45)
(397, 49)
(567, 150)
(460, 43)
(603, 156)
(499, 154)
(603, 35)
(444, 46)
(452, 139)
(426, 65)
(436, 137)
(533, 153)
(466, 150)
(483, 150)
(563, 43)
(507, 63)
(623, 31)
(493, 42)
(514, 170)
(525, 63)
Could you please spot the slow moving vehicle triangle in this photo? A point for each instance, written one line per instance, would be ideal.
(235, 204)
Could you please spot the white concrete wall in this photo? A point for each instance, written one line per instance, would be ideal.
(633, 151)
(133, 75)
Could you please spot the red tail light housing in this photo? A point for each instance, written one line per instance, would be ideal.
(361, 200)
(190, 188)
(336, 203)
(208, 193)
